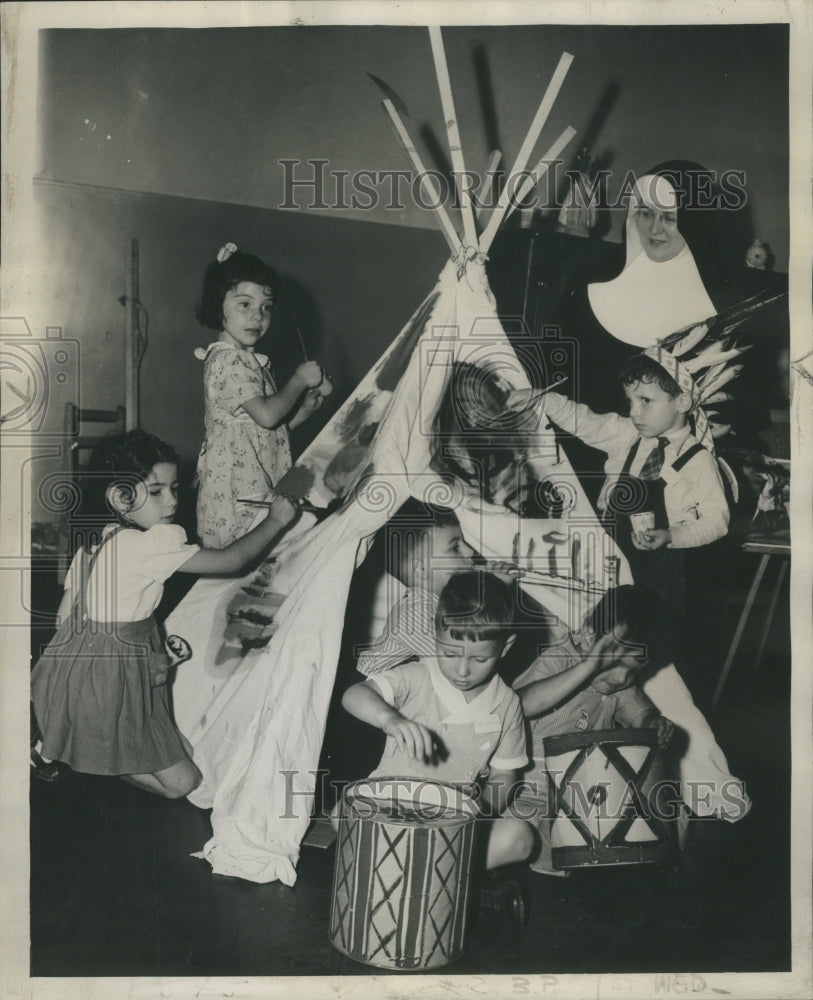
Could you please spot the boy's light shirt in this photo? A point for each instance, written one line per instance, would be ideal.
(480, 712)
(626, 708)
(460, 710)
(409, 631)
(694, 498)
(707, 785)
(481, 708)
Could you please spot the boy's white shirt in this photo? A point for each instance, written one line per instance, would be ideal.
(480, 711)
(407, 629)
(453, 699)
(694, 498)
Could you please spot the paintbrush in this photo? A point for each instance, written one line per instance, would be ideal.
(320, 513)
(534, 395)
(299, 336)
(549, 580)
(302, 505)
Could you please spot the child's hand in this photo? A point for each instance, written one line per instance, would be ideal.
(412, 738)
(311, 402)
(310, 374)
(283, 510)
(653, 538)
(666, 729)
(508, 572)
(608, 649)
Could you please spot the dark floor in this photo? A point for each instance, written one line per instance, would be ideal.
(115, 892)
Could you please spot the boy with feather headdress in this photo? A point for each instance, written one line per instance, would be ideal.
(664, 490)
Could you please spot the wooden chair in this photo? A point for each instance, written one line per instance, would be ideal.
(81, 440)
(82, 429)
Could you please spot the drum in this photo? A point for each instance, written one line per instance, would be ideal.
(614, 802)
(401, 877)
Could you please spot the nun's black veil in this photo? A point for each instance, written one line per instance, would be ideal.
(700, 221)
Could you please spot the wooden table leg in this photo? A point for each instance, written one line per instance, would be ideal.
(735, 642)
(777, 587)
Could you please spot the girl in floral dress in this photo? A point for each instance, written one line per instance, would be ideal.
(246, 450)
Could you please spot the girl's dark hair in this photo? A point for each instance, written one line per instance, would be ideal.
(477, 606)
(642, 368)
(222, 277)
(125, 460)
(645, 619)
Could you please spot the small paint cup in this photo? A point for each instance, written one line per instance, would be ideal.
(644, 521)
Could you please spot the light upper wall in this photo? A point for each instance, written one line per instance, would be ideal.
(209, 113)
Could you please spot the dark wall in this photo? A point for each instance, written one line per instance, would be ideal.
(351, 284)
(211, 113)
(174, 136)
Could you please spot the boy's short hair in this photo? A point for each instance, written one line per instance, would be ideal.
(477, 606)
(406, 530)
(645, 616)
(642, 368)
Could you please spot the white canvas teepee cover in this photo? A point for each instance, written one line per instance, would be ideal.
(256, 717)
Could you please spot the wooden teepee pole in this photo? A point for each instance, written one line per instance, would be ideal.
(540, 169)
(453, 134)
(427, 183)
(487, 180)
(537, 125)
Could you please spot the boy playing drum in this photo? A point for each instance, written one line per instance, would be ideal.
(450, 718)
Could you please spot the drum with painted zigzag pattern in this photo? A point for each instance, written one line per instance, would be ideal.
(402, 871)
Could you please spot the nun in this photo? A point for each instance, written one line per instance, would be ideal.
(671, 271)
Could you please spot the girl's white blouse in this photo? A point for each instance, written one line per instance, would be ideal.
(127, 580)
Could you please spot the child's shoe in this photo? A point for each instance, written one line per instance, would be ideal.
(44, 770)
(503, 898)
(540, 869)
(178, 649)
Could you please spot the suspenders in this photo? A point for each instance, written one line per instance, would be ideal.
(677, 465)
(687, 456)
(79, 610)
(652, 498)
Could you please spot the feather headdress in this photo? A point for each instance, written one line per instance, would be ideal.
(700, 359)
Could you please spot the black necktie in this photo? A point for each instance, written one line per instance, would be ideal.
(651, 468)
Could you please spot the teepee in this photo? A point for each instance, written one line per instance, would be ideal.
(253, 700)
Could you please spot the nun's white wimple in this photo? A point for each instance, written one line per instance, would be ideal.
(650, 299)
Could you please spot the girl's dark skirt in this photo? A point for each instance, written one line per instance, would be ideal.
(101, 700)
